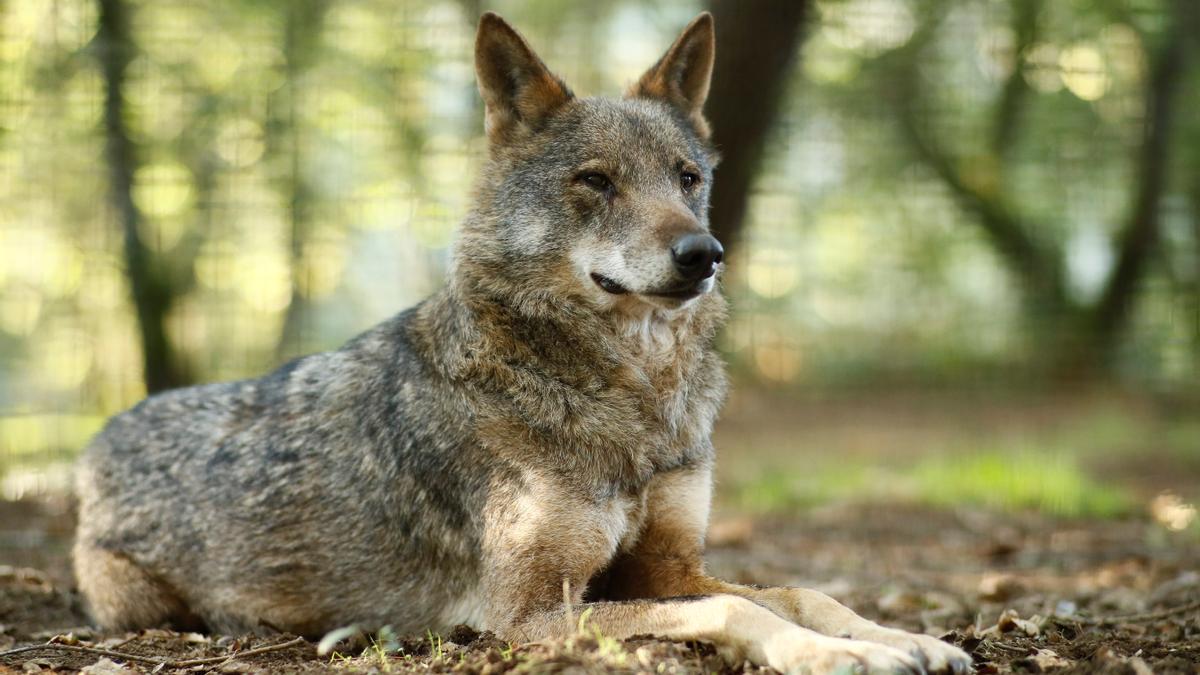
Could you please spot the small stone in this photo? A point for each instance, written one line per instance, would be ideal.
(1065, 608)
(462, 634)
(1042, 661)
(1000, 587)
(730, 533)
(645, 657)
(897, 602)
(1140, 667)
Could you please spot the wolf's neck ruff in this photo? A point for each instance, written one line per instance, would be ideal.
(505, 339)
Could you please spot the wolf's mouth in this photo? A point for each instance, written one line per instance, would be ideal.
(608, 284)
(684, 292)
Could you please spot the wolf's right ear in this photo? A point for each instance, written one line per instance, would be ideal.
(681, 77)
(517, 88)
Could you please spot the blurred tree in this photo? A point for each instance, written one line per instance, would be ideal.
(1109, 316)
(1081, 336)
(757, 45)
(1188, 280)
(150, 282)
(303, 22)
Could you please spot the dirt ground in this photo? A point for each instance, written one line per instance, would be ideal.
(1022, 593)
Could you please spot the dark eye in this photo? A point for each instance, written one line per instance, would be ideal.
(688, 180)
(597, 181)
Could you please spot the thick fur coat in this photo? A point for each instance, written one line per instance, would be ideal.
(542, 420)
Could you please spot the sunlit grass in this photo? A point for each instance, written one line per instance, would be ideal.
(1007, 481)
(993, 479)
(1098, 456)
(778, 489)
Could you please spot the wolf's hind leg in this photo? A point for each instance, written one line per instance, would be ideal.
(121, 595)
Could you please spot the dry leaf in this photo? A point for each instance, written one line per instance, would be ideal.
(104, 666)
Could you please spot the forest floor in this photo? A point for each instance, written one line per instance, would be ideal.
(1020, 592)
(1039, 534)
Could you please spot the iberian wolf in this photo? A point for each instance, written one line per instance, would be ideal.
(541, 422)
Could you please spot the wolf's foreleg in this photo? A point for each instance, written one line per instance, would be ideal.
(821, 613)
(739, 628)
(667, 561)
(546, 539)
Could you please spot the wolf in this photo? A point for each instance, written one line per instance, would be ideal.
(539, 426)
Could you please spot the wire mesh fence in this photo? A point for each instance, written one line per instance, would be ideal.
(300, 169)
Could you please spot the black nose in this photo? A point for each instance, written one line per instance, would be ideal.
(696, 256)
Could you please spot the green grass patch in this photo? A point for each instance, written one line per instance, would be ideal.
(779, 489)
(1017, 481)
(1000, 480)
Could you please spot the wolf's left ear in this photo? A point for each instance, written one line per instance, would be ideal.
(681, 77)
(518, 90)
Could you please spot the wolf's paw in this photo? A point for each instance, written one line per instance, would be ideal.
(819, 654)
(934, 655)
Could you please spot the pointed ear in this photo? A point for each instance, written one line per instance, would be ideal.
(682, 75)
(518, 90)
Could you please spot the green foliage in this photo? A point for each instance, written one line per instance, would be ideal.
(300, 169)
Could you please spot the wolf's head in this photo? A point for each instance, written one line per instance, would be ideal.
(594, 201)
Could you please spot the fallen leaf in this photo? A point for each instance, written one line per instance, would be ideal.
(1046, 659)
(104, 666)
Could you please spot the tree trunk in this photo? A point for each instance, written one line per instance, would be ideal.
(302, 32)
(758, 42)
(1079, 340)
(1111, 313)
(151, 292)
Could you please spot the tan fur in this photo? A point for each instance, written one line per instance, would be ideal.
(122, 594)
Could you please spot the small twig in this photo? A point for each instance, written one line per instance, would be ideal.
(166, 663)
(237, 655)
(1142, 617)
(567, 605)
(128, 641)
(97, 651)
(1011, 648)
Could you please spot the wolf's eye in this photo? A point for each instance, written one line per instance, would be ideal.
(597, 181)
(688, 180)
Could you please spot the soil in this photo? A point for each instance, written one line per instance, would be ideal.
(1022, 593)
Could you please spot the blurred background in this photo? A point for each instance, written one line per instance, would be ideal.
(964, 234)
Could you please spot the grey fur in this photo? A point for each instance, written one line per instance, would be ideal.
(538, 427)
(350, 486)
